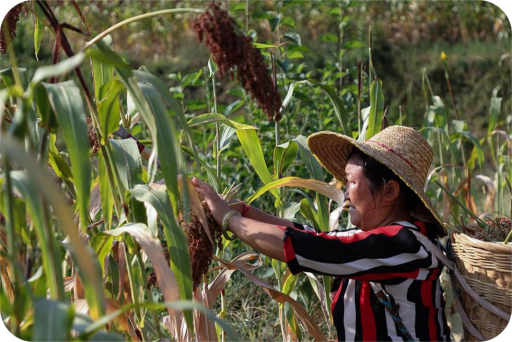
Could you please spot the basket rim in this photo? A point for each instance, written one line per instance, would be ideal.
(489, 246)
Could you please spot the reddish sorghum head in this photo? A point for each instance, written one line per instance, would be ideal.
(229, 50)
(199, 246)
(11, 19)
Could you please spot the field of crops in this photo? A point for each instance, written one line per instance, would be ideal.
(109, 108)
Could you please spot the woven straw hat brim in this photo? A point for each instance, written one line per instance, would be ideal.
(332, 151)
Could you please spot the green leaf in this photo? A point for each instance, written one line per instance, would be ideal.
(102, 73)
(308, 212)
(288, 21)
(102, 245)
(168, 150)
(294, 37)
(252, 148)
(58, 69)
(7, 76)
(66, 102)
(274, 21)
(295, 55)
(45, 110)
(50, 253)
(284, 156)
(329, 37)
(108, 109)
(128, 162)
(314, 167)
(353, 44)
(38, 28)
(476, 144)
(174, 236)
(52, 320)
(494, 113)
(320, 187)
(376, 109)
(237, 6)
(294, 2)
(162, 88)
(207, 118)
(264, 46)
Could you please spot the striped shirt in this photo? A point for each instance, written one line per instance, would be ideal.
(390, 256)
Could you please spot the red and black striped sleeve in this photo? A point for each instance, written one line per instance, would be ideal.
(383, 253)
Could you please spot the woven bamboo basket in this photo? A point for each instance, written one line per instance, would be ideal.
(487, 267)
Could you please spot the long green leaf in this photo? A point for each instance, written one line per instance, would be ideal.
(66, 101)
(38, 28)
(102, 73)
(108, 109)
(175, 238)
(162, 88)
(58, 69)
(376, 109)
(168, 151)
(207, 118)
(252, 147)
(47, 242)
(314, 167)
(320, 187)
(284, 156)
(128, 162)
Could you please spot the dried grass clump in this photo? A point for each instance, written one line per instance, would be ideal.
(11, 19)
(230, 49)
(497, 230)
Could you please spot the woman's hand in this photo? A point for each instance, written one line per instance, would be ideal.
(217, 205)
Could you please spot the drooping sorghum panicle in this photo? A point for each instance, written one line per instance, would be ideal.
(229, 50)
(11, 19)
(199, 246)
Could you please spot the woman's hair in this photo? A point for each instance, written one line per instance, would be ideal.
(379, 174)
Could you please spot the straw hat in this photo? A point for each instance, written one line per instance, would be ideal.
(402, 149)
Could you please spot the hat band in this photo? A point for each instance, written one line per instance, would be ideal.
(393, 151)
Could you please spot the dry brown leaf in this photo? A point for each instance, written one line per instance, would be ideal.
(195, 204)
(69, 283)
(165, 277)
(301, 313)
(121, 321)
(78, 288)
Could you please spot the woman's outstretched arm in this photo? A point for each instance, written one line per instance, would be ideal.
(264, 237)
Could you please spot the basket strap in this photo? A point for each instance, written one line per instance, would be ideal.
(464, 317)
(429, 246)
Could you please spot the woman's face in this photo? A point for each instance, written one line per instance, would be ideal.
(365, 208)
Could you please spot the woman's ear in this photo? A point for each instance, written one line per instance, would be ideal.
(391, 191)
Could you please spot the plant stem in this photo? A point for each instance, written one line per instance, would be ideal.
(138, 18)
(11, 242)
(217, 127)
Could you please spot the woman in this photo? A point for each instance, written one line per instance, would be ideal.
(388, 283)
